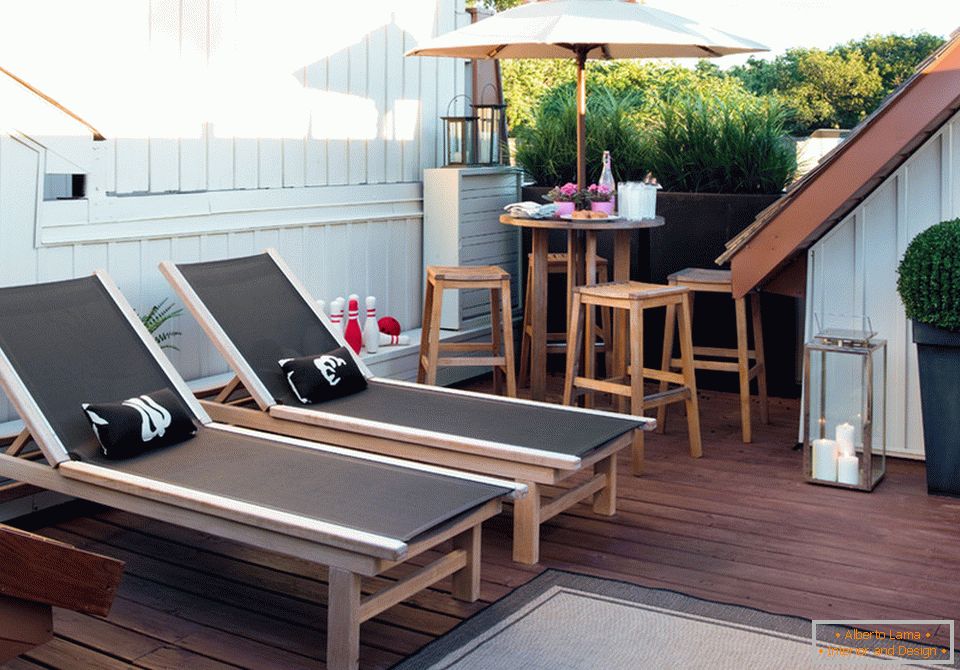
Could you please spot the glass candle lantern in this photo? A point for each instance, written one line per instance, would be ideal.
(459, 140)
(489, 119)
(459, 137)
(844, 407)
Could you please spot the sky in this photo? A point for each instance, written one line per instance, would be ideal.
(782, 24)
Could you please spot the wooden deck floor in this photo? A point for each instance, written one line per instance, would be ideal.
(738, 526)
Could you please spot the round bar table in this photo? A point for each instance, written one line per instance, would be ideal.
(581, 271)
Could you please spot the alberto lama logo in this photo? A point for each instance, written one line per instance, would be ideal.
(926, 640)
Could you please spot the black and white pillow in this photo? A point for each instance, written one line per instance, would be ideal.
(143, 423)
(318, 378)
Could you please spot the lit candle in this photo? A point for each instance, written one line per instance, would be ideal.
(825, 460)
(845, 433)
(848, 470)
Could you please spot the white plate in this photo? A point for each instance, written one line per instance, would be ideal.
(570, 217)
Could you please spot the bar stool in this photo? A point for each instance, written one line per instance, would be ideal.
(441, 278)
(634, 298)
(719, 281)
(557, 342)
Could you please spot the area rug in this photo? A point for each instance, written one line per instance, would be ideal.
(562, 620)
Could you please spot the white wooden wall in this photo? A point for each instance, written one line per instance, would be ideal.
(345, 211)
(852, 269)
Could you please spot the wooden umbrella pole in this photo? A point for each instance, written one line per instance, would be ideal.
(581, 117)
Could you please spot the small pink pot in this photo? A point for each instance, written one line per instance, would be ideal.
(605, 207)
(565, 208)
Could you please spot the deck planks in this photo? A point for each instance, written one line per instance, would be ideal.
(738, 525)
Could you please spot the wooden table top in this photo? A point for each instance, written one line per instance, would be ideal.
(582, 224)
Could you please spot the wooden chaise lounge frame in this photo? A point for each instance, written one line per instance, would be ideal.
(539, 470)
(349, 553)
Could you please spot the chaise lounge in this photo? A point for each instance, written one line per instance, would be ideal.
(67, 343)
(256, 312)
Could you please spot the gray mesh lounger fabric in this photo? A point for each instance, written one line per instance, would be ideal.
(69, 343)
(266, 319)
(427, 408)
(379, 498)
(262, 314)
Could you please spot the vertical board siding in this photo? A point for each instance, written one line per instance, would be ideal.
(192, 34)
(381, 257)
(852, 269)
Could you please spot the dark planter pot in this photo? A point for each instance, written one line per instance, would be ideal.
(938, 353)
(698, 227)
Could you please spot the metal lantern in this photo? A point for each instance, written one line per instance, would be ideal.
(844, 408)
(489, 122)
(459, 137)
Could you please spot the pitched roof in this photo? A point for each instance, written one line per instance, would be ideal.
(872, 152)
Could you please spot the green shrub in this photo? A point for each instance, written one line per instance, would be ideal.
(547, 150)
(709, 138)
(733, 144)
(929, 276)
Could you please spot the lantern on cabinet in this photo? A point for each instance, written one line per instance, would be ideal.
(459, 137)
(844, 408)
(489, 122)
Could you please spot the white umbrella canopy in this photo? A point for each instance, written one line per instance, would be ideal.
(603, 29)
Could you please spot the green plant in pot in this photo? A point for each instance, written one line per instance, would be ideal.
(156, 318)
(929, 285)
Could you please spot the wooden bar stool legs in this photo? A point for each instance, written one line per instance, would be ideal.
(499, 349)
(722, 359)
(635, 373)
(557, 342)
(633, 298)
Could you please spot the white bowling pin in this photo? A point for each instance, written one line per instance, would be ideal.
(393, 340)
(371, 331)
(336, 313)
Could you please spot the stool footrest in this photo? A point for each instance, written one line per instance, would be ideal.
(465, 346)
(721, 352)
(584, 384)
(663, 376)
(473, 361)
(717, 366)
(602, 385)
(666, 397)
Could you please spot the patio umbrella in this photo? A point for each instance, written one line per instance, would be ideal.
(604, 29)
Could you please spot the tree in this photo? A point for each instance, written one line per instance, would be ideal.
(830, 90)
(498, 5)
(824, 89)
(895, 56)
(838, 87)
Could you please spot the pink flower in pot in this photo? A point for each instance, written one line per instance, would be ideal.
(600, 198)
(564, 197)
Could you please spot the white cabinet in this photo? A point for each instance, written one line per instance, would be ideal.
(461, 226)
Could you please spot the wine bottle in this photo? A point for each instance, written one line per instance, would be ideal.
(606, 178)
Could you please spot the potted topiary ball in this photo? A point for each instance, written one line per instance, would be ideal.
(929, 285)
